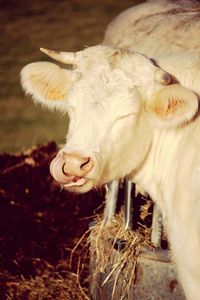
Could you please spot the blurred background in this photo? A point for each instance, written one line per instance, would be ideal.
(25, 26)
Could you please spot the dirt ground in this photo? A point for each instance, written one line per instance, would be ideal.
(25, 26)
(39, 227)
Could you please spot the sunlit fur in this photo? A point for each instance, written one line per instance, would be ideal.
(130, 123)
(43, 80)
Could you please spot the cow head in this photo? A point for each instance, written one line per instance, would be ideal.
(113, 97)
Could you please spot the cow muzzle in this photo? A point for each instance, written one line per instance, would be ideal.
(71, 169)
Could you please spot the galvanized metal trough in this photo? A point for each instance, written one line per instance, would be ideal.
(155, 274)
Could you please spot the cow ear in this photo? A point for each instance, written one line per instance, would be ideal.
(47, 83)
(173, 105)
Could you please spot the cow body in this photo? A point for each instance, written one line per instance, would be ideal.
(133, 103)
(171, 173)
(157, 28)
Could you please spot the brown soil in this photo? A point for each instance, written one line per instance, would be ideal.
(39, 227)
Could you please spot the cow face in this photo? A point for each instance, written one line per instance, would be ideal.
(109, 96)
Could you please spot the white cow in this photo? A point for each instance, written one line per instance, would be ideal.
(133, 104)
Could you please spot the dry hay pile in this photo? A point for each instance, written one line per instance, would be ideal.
(47, 286)
(55, 283)
(114, 252)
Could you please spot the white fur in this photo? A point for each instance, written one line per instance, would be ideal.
(115, 120)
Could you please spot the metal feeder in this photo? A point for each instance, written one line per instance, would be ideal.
(156, 278)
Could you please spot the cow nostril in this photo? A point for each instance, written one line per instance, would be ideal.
(63, 169)
(87, 165)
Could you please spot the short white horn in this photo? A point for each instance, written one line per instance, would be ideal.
(162, 77)
(63, 57)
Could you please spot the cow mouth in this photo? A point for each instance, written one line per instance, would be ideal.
(76, 182)
(78, 185)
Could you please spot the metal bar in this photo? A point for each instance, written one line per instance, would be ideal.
(157, 226)
(111, 200)
(128, 205)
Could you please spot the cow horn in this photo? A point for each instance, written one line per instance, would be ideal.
(162, 77)
(63, 57)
